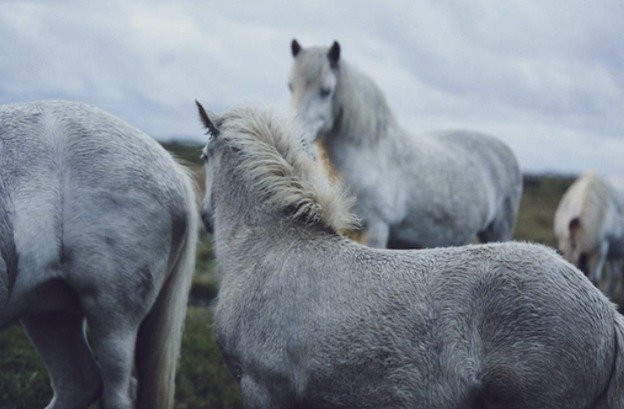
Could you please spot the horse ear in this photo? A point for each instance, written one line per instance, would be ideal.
(208, 123)
(295, 47)
(334, 54)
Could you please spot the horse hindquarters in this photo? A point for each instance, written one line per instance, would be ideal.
(133, 280)
(613, 396)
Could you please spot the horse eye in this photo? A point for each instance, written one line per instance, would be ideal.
(325, 92)
(290, 87)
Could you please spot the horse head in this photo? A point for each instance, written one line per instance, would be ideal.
(313, 82)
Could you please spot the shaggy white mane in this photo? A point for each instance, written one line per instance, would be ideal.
(274, 162)
(362, 107)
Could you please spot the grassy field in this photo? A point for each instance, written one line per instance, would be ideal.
(203, 381)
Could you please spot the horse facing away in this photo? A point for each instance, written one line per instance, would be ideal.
(98, 223)
(413, 191)
(589, 226)
(306, 318)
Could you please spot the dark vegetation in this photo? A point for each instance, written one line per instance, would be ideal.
(203, 381)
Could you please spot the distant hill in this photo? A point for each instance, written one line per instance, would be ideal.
(186, 151)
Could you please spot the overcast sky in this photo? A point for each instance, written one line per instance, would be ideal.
(547, 77)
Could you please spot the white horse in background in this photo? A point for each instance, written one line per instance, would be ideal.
(308, 319)
(98, 225)
(589, 226)
(412, 191)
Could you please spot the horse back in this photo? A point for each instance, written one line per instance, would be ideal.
(459, 183)
(496, 161)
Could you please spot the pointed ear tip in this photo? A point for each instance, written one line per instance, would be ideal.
(295, 47)
(334, 54)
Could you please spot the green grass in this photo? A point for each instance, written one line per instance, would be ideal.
(185, 152)
(203, 381)
(540, 198)
(23, 379)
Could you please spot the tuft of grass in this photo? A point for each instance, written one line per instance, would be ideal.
(23, 378)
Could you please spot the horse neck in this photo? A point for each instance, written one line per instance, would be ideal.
(360, 108)
(244, 226)
(235, 209)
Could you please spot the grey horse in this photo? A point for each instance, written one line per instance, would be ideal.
(308, 319)
(413, 190)
(98, 225)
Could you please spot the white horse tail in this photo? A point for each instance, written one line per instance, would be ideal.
(595, 203)
(160, 336)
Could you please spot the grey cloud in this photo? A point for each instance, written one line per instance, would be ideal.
(537, 74)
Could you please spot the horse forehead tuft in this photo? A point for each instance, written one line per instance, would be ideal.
(311, 66)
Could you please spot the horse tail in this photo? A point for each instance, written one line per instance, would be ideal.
(160, 335)
(586, 227)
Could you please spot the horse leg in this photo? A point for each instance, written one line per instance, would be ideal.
(377, 234)
(60, 341)
(617, 268)
(596, 262)
(114, 335)
(502, 227)
(615, 276)
(4, 284)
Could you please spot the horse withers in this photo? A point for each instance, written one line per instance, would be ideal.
(412, 190)
(589, 226)
(98, 225)
(308, 319)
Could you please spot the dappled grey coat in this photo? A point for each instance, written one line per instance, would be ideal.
(308, 319)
